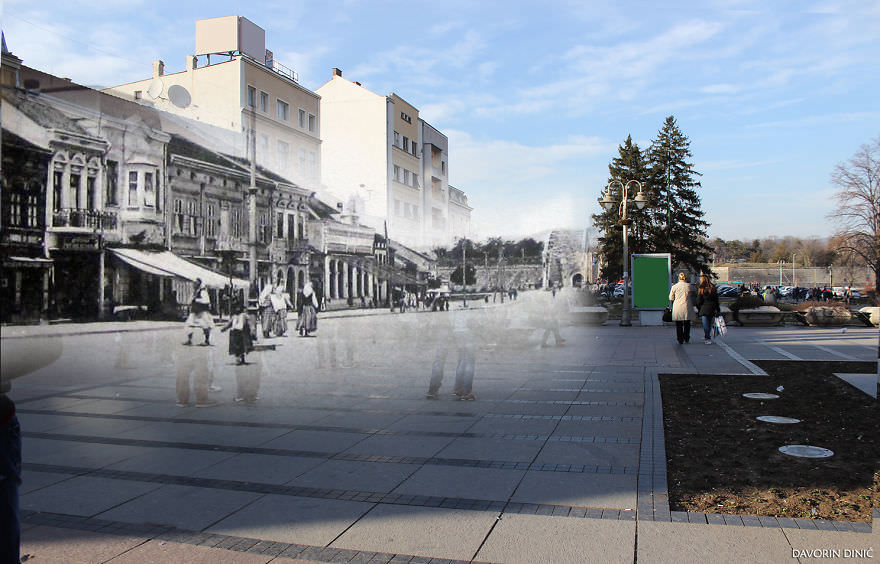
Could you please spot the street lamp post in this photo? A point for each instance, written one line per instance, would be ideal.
(608, 202)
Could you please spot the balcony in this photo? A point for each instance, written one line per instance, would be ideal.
(85, 219)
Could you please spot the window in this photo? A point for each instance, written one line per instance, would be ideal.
(303, 161)
(112, 182)
(190, 226)
(263, 233)
(57, 186)
(302, 118)
(397, 207)
(283, 155)
(397, 173)
(91, 196)
(133, 189)
(279, 225)
(283, 109)
(443, 167)
(264, 102)
(396, 139)
(313, 169)
(406, 177)
(149, 190)
(406, 143)
(415, 183)
(414, 148)
(264, 145)
(138, 94)
(210, 220)
(237, 223)
(251, 97)
(311, 123)
(291, 227)
(178, 216)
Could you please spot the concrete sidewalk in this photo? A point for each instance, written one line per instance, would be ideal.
(560, 459)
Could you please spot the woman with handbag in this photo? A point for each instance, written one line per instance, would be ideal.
(707, 306)
(680, 294)
(308, 318)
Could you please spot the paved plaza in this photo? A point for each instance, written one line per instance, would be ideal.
(560, 458)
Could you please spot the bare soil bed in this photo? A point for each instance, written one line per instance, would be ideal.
(721, 459)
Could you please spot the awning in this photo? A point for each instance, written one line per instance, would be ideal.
(169, 265)
(33, 262)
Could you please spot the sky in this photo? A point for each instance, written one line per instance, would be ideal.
(536, 97)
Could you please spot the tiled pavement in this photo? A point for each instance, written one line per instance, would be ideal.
(561, 458)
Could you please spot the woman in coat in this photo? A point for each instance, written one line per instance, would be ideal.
(681, 308)
(707, 306)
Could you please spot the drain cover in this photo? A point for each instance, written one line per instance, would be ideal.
(777, 419)
(761, 396)
(805, 451)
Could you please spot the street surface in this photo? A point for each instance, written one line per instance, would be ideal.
(559, 459)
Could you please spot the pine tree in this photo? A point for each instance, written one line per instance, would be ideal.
(676, 222)
(628, 165)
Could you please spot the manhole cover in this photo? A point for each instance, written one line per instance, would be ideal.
(805, 451)
(761, 396)
(777, 419)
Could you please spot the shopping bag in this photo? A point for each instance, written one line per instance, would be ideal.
(667, 315)
(720, 326)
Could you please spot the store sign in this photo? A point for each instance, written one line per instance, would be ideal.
(23, 238)
(80, 243)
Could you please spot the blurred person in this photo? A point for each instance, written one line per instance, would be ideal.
(550, 322)
(453, 331)
(707, 306)
(680, 295)
(10, 478)
(200, 316)
(196, 366)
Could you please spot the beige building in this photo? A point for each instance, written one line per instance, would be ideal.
(232, 87)
(459, 215)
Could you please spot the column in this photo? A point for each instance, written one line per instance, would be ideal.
(344, 265)
(102, 311)
(369, 276)
(327, 293)
(334, 280)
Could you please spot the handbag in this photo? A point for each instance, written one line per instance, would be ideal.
(720, 326)
(667, 314)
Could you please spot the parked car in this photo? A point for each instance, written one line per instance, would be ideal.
(729, 291)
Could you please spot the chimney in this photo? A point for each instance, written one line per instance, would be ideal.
(336, 72)
(158, 69)
(191, 62)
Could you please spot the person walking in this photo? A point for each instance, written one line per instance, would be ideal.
(240, 341)
(680, 294)
(308, 318)
(707, 306)
(454, 331)
(267, 312)
(200, 316)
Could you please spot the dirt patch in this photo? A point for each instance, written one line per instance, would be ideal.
(721, 459)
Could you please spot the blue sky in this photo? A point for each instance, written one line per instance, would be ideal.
(535, 97)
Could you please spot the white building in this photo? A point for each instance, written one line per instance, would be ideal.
(385, 163)
(233, 85)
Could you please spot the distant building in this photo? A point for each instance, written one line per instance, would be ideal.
(459, 215)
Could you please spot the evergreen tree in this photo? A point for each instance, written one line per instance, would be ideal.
(628, 165)
(676, 222)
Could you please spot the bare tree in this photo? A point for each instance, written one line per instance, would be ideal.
(857, 215)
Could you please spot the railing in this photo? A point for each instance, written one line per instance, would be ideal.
(281, 69)
(85, 219)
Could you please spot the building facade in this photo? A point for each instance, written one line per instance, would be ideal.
(233, 90)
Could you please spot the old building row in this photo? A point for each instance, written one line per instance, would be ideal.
(110, 205)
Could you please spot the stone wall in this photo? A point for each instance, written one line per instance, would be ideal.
(806, 277)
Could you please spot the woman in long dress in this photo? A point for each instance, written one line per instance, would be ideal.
(308, 318)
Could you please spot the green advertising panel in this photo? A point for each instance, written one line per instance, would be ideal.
(651, 278)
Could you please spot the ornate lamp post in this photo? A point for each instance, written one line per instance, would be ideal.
(608, 202)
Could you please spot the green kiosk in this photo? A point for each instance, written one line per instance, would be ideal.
(651, 280)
